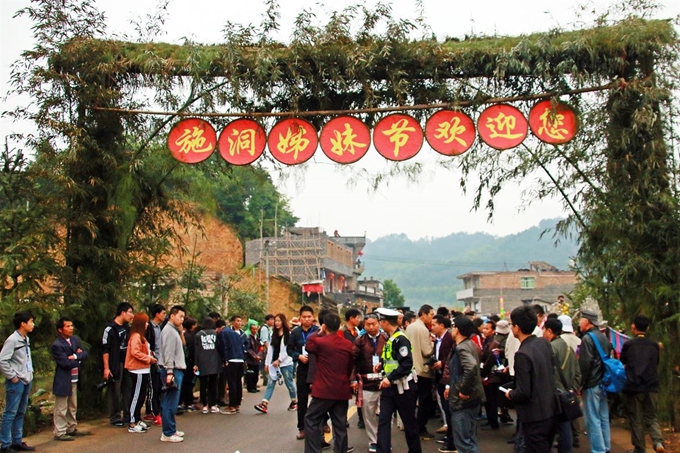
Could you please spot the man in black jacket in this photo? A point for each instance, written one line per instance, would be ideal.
(640, 356)
(534, 393)
(596, 406)
(296, 348)
(114, 342)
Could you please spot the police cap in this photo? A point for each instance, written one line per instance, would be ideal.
(387, 314)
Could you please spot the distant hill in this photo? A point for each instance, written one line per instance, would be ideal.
(426, 269)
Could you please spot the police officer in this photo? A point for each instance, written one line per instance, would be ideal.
(398, 387)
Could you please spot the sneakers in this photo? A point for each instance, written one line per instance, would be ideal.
(659, 448)
(214, 410)
(262, 407)
(117, 423)
(446, 449)
(136, 429)
(179, 433)
(205, 409)
(64, 437)
(350, 449)
(292, 406)
(148, 417)
(157, 420)
(231, 411)
(443, 440)
(144, 425)
(425, 435)
(173, 438)
(373, 448)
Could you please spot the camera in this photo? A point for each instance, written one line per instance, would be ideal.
(171, 386)
(102, 385)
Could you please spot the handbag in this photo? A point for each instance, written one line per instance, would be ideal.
(568, 403)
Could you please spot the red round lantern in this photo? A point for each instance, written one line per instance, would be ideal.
(450, 133)
(398, 137)
(502, 126)
(192, 140)
(345, 139)
(554, 123)
(293, 141)
(242, 141)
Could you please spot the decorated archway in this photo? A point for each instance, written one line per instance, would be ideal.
(589, 108)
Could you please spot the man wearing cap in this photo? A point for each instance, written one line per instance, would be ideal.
(398, 389)
(568, 380)
(596, 408)
(418, 334)
(568, 333)
(464, 390)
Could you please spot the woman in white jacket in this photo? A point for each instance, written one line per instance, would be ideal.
(279, 364)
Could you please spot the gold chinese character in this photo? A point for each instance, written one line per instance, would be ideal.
(398, 135)
(344, 141)
(193, 140)
(244, 141)
(550, 125)
(450, 130)
(292, 143)
(502, 126)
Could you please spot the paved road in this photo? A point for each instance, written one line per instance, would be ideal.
(252, 432)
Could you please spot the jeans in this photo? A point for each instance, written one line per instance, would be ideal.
(16, 401)
(287, 373)
(597, 419)
(464, 423)
(169, 403)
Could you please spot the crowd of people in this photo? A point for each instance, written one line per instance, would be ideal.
(402, 365)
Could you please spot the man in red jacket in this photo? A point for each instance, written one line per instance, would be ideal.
(331, 388)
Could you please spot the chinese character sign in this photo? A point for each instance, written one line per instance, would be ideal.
(450, 133)
(345, 139)
(502, 126)
(398, 137)
(554, 123)
(192, 140)
(242, 142)
(293, 141)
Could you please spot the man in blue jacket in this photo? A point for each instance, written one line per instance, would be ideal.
(68, 354)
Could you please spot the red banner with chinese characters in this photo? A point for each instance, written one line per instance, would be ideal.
(242, 141)
(554, 123)
(398, 137)
(192, 140)
(502, 126)
(293, 141)
(450, 133)
(345, 139)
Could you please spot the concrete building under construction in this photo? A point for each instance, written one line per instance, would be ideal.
(319, 263)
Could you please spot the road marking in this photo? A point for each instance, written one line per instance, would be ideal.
(350, 413)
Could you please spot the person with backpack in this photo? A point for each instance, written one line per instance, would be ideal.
(596, 408)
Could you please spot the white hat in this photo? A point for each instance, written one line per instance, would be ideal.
(567, 325)
(387, 313)
(503, 327)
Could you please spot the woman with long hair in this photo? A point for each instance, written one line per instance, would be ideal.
(138, 362)
(279, 364)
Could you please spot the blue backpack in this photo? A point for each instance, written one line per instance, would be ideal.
(614, 373)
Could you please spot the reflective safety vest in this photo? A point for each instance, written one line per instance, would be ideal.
(389, 364)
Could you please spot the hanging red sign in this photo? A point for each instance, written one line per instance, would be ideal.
(293, 141)
(502, 126)
(242, 142)
(398, 137)
(345, 139)
(553, 123)
(450, 133)
(192, 140)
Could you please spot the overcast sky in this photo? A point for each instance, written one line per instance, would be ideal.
(319, 194)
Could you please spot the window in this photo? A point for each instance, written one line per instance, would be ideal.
(527, 282)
